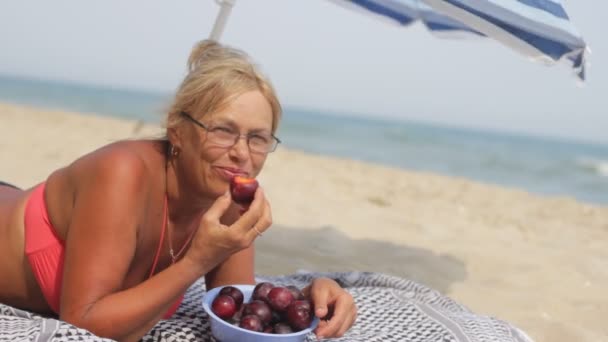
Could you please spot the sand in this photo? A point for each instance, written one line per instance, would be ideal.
(538, 262)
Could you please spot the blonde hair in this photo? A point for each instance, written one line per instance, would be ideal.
(216, 75)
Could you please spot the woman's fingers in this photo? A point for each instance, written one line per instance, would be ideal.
(214, 237)
(320, 331)
(253, 213)
(218, 208)
(256, 220)
(267, 216)
(348, 322)
(338, 318)
(334, 306)
(320, 299)
(264, 222)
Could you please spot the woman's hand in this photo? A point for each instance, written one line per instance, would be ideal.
(333, 305)
(214, 241)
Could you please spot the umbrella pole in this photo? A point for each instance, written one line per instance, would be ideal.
(222, 17)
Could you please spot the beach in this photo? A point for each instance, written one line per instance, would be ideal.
(538, 262)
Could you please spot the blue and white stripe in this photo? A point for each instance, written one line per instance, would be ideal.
(539, 29)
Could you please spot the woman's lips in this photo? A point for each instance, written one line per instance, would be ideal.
(229, 173)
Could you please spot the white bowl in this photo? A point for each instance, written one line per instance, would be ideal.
(226, 332)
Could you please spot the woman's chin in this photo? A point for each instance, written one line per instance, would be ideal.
(220, 189)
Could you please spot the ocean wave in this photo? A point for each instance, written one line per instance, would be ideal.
(597, 166)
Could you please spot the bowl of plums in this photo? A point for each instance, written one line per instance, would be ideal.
(262, 312)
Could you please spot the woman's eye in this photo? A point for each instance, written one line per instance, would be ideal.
(222, 129)
(259, 139)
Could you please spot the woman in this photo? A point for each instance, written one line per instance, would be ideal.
(111, 242)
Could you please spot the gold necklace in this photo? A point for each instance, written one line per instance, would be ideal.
(171, 253)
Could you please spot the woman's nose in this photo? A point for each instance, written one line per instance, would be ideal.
(241, 147)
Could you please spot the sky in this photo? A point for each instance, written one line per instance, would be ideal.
(319, 56)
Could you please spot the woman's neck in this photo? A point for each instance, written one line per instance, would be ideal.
(184, 204)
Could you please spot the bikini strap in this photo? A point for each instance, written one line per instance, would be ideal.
(162, 238)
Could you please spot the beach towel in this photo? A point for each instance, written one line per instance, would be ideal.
(390, 309)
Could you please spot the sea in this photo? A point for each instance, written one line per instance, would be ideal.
(546, 166)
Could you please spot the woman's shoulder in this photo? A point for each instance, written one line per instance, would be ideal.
(119, 175)
(122, 161)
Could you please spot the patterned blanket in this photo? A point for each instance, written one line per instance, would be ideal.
(390, 309)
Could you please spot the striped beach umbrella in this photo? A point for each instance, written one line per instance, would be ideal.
(538, 29)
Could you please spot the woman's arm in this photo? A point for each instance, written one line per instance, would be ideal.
(238, 268)
(101, 242)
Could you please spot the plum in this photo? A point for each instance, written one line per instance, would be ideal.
(260, 291)
(304, 304)
(233, 292)
(251, 322)
(299, 315)
(279, 298)
(258, 308)
(236, 318)
(223, 306)
(272, 309)
(276, 317)
(242, 189)
(296, 292)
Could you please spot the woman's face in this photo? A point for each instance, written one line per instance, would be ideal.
(212, 165)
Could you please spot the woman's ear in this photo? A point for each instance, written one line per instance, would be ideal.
(173, 135)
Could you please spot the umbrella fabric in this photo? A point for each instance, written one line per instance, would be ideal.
(539, 29)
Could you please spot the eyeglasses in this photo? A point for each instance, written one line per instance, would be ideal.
(224, 136)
